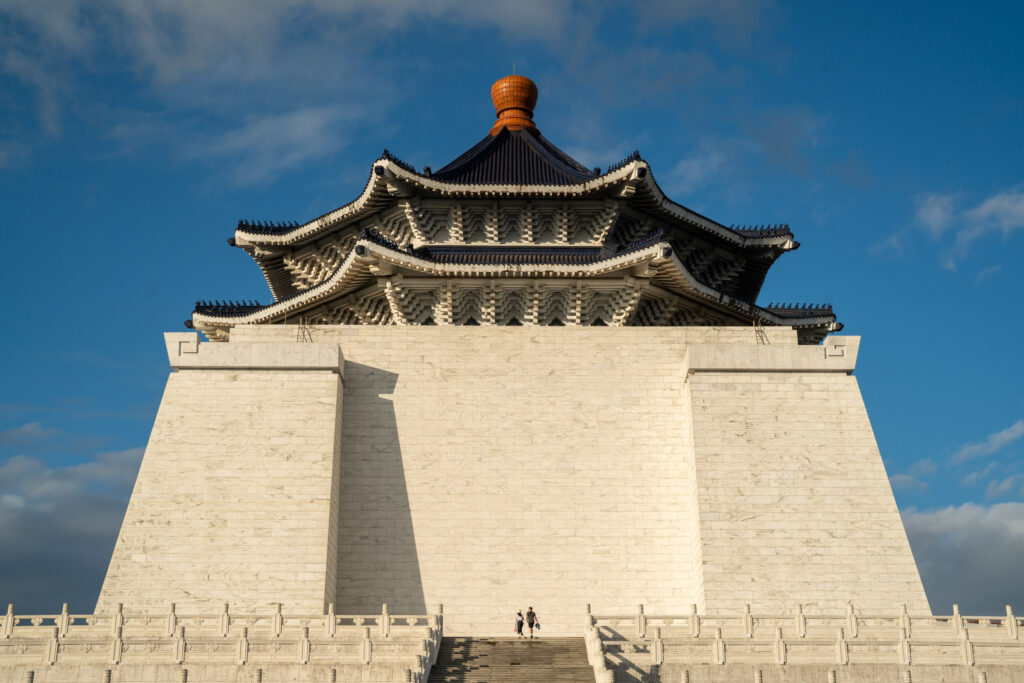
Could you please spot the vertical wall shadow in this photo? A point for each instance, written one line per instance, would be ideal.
(377, 559)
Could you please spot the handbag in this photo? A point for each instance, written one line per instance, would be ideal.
(537, 625)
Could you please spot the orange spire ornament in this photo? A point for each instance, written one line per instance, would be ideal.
(514, 98)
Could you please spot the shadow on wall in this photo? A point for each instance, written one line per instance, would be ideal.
(377, 560)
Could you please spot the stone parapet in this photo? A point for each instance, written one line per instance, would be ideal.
(801, 646)
(186, 352)
(125, 646)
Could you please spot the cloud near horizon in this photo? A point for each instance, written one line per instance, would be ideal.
(58, 526)
(970, 555)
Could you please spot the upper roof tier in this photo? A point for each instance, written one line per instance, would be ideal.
(516, 209)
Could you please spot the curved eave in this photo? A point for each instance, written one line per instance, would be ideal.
(631, 177)
(357, 271)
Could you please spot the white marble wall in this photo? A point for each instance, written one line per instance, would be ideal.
(493, 468)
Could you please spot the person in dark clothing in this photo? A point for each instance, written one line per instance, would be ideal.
(519, 623)
(531, 620)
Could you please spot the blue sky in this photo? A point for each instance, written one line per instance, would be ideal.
(133, 135)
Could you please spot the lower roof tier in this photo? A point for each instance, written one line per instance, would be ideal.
(645, 284)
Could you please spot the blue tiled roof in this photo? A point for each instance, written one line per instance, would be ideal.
(515, 157)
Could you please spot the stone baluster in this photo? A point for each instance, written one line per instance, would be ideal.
(243, 646)
(116, 648)
(51, 647)
(748, 622)
(685, 676)
(172, 621)
(904, 647)
(9, 621)
(641, 622)
(851, 620)
(906, 676)
(366, 650)
(758, 676)
(958, 621)
(801, 621)
(106, 676)
(439, 616)
(982, 677)
(118, 621)
(179, 646)
(968, 647)
(330, 622)
(304, 646)
(225, 622)
(588, 618)
(719, 647)
(658, 649)
(278, 620)
(780, 647)
(1011, 623)
(831, 676)
(694, 621)
(842, 648)
(64, 621)
(385, 622)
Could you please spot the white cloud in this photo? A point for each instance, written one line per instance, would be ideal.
(58, 526)
(935, 213)
(998, 489)
(992, 444)
(969, 555)
(986, 273)
(975, 477)
(697, 170)
(906, 482)
(27, 435)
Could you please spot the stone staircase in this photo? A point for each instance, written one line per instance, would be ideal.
(508, 660)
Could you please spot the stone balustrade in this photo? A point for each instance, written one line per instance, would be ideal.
(693, 648)
(122, 646)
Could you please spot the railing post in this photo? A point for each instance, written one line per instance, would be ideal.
(439, 611)
(366, 651)
(801, 621)
(172, 621)
(179, 646)
(1011, 623)
(330, 622)
(304, 646)
(51, 648)
(658, 648)
(9, 621)
(905, 620)
(842, 648)
(694, 621)
(64, 620)
(278, 620)
(958, 621)
(385, 622)
(719, 647)
(904, 647)
(588, 616)
(748, 621)
(225, 622)
(780, 647)
(243, 646)
(118, 620)
(641, 621)
(116, 648)
(968, 648)
(851, 620)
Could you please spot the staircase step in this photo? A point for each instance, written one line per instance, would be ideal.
(511, 660)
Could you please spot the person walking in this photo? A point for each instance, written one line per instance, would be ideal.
(519, 623)
(532, 620)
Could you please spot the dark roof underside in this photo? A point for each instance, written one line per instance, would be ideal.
(519, 157)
